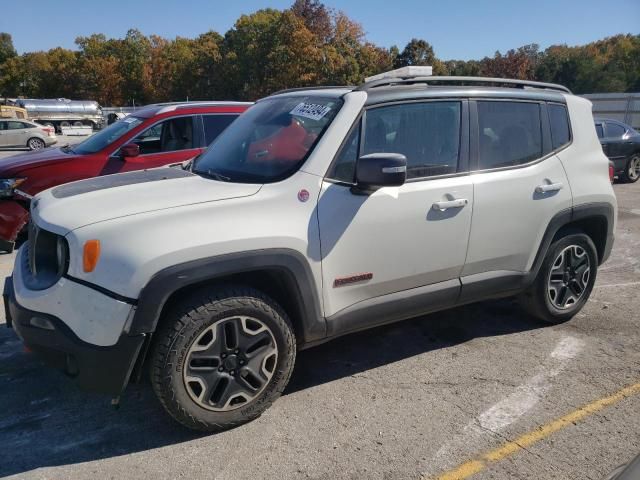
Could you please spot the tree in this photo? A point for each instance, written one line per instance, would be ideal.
(7, 49)
(316, 17)
(419, 52)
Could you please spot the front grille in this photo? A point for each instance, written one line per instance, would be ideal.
(46, 258)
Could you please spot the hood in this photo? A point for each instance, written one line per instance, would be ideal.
(74, 205)
(16, 163)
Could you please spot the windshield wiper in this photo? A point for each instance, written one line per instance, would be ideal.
(67, 148)
(213, 175)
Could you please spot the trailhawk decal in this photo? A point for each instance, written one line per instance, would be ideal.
(361, 277)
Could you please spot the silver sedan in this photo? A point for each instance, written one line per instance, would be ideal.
(24, 133)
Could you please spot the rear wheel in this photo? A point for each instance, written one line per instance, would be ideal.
(222, 357)
(65, 124)
(78, 123)
(565, 280)
(632, 170)
(36, 144)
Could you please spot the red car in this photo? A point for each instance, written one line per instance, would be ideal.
(151, 137)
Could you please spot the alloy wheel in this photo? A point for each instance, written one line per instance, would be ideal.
(569, 277)
(634, 168)
(230, 363)
(36, 144)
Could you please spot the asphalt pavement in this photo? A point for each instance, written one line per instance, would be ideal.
(480, 391)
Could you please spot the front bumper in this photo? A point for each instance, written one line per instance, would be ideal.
(94, 368)
(13, 217)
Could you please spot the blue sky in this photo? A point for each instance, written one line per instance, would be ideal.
(458, 29)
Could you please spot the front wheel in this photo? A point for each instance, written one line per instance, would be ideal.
(565, 280)
(222, 357)
(632, 170)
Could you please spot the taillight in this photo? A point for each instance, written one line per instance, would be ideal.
(611, 173)
(48, 130)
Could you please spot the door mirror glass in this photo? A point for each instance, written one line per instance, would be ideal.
(129, 150)
(377, 170)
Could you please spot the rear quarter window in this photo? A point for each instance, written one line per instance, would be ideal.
(559, 120)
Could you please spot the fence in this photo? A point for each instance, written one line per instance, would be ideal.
(624, 107)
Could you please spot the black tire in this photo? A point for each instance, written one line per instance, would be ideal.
(538, 301)
(185, 324)
(631, 172)
(36, 143)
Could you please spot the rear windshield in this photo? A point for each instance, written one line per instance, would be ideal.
(269, 141)
(107, 136)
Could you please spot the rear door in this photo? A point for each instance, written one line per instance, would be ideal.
(519, 185)
(3, 133)
(17, 134)
(618, 143)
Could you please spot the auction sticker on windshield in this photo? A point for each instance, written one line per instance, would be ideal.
(310, 110)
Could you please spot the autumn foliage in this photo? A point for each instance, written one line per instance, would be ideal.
(305, 45)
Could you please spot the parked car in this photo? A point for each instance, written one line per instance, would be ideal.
(23, 133)
(621, 144)
(317, 213)
(154, 136)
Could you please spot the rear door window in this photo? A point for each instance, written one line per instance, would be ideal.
(510, 133)
(614, 130)
(215, 124)
(16, 125)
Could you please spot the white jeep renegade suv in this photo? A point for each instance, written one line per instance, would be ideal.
(317, 213)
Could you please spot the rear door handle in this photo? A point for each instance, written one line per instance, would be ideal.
(445, 204)
(549, 187)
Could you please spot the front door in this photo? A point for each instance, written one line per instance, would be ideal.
(170, 141)
(398, 238)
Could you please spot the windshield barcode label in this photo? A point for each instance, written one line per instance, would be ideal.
(310, 110)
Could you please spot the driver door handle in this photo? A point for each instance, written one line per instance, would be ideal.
(552, 187)
(445, 204)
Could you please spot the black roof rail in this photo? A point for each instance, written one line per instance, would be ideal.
(463, 80)
(319, 87)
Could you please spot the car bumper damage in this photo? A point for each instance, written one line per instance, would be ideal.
(101, 369)
(13, 217)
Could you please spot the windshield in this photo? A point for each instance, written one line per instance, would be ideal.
(269, 141)
(107, 136)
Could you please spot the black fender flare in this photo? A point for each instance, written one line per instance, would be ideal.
(166, 282)
(565, 218)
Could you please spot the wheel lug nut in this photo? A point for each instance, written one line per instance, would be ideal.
(224, 355)
(241, 362)
(237, 351)
(232, 372)
(221, 369)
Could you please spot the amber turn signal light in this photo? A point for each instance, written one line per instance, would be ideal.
(91, 255)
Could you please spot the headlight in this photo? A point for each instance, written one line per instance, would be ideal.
(8, 185)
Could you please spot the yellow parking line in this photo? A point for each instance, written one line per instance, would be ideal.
(474, 466)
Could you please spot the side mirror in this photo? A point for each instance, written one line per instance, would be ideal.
(377, 170)
(129, 150)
